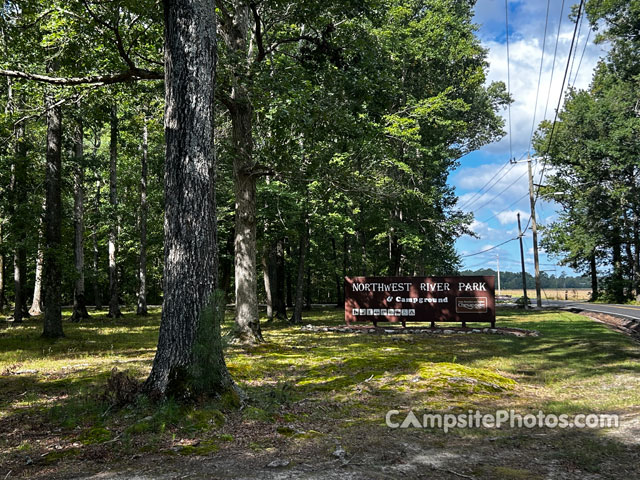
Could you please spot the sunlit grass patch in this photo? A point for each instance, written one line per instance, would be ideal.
(318, 386)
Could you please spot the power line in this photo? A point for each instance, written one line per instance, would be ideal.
(575, 52)
(490, 183)
(506, 209)
(506, 20)
(502, 191)
(489, 249)
(544, 43)
(492, 179)
(555, 119)
(586, 43)
(553, 66)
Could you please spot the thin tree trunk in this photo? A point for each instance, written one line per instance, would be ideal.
(51, 269)
(594, 276)
(37, 306)
(307, 305)
(19, 191)
(279, 301)
(226, 264)
(97, 292)
(617, 283)
(302, 252)
(336, 269)
(190, 272)
(267, 267)
(2, 298)
(79, 303)
(289, 280)
(114, 306)
(142, 273)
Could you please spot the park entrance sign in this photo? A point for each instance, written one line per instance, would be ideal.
(420, 299)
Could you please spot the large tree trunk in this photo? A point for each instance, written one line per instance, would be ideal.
(114, 305)
(142, 272)
(190, 272)
(79, 303)
(19, 190)
(51, 269)
(247, 322)
(302, 253)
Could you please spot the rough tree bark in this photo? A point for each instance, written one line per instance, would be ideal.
(19, 194)
(142, 272)
(79, 303)
(190, 271)
(114, 306)
(51, 268)
(235, 28)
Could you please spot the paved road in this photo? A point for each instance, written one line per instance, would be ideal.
(624, 311)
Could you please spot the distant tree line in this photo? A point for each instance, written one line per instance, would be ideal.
(513, 280)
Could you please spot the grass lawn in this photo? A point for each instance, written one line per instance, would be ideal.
(318, 403)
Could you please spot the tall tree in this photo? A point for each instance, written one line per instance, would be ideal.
(114, 302)
(190, 275)
(52, 269)
(144, 209)
(79, 303)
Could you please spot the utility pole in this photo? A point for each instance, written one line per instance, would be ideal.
(534, 230)
(524, 273)
(498, 260)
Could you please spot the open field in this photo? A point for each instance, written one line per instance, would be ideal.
(317, 404)
(552, 293)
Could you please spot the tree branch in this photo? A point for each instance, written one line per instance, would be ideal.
(106, 79)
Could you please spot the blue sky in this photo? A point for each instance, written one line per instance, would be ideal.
(496, 207)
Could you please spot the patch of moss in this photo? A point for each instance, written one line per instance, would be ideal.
(460, 379)
(257, 414)
(137, 428)
(230, 400)
(203, 448)
(57, 455)
(508, 473)
(94, 435)
(286, 431)
(308, 434)
(204, 418)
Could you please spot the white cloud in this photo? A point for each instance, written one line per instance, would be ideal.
(526, 28)
(510, 217)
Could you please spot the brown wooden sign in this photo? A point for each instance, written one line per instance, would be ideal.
(420, 299)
